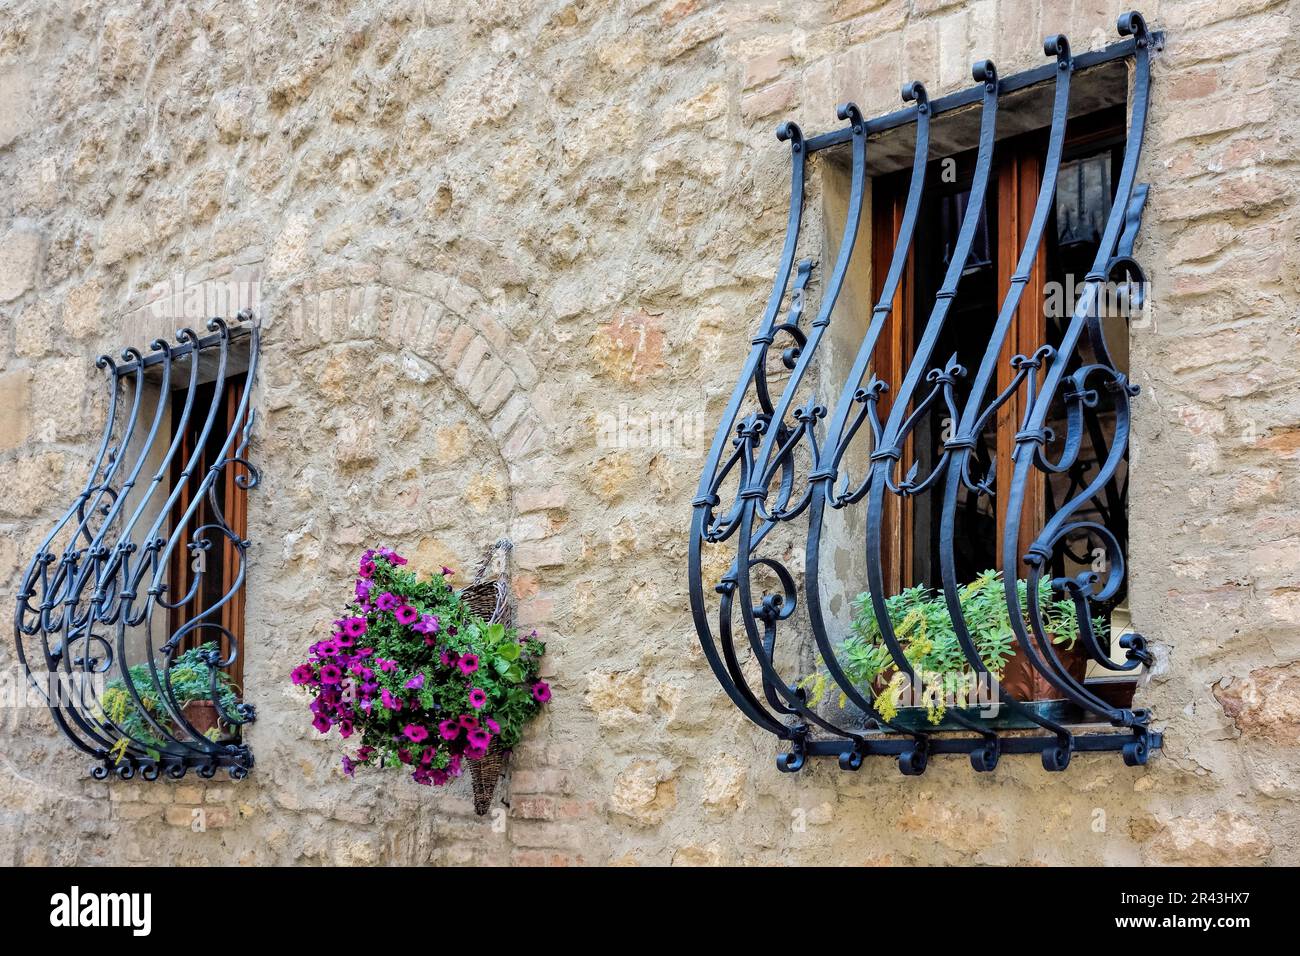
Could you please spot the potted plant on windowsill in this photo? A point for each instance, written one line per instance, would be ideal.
(923, 628)
(191, 680)
(426, 683)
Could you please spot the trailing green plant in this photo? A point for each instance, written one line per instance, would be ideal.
(923, 628)
(191, 679)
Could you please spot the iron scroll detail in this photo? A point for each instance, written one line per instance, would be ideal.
(780, 458)
(95, 618)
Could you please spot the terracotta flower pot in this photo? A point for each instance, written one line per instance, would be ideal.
(1023, 681)
(202, 715)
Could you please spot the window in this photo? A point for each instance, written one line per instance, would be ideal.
(130, 615)
(1093, 152)
(936, 407)
(216, 569)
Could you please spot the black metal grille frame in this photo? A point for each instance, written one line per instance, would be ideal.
(760, 451)
(94, 597)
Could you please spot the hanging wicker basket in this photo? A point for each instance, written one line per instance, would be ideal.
(488, 596)
(484, 775)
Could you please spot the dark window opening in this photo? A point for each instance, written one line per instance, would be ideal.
(220, 563)
(1085, 185)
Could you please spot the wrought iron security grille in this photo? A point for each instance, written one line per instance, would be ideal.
(138, 570)
(781, 459)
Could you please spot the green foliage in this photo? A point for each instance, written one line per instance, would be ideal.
(191, 679)
(423, 680)
(923, 628)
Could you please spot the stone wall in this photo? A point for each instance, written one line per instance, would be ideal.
(487, 240)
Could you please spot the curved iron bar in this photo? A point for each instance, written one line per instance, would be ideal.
(719, 651)
(888, 450)
(775, 453)
(841, 432)
(976, 415)
(97, 576)
(1031, 438)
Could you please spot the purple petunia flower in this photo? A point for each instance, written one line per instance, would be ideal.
(303, 674)
(321, 723)
(388, 601)
(447, 572)
(541, 691)
(415, 733)
(475, 753)
(427, 624)
(479, 738)
(349, 767)
(389, 701)
(385, 665)
(354, 626)
(493, 726)
(406, 615)
(330, 674)
(478, 697)
(439, 777)
(363, 588)
(416, 682)
(449, 730)
(367, 567)
(468, 664)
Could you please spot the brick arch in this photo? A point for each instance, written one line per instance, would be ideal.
(447, 326)
(471, 351)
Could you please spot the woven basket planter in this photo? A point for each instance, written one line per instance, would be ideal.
(488, 596)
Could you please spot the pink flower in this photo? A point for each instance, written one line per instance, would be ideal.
(366, 568)
(354, 626)
(388, 601)
(389, 701)
(303, 674)
(416, 682)
(321, 723)
(449, 730)
(439, 777)
(475, 753)
(363, 588)
(447, 572)
(468, 664)
(330, 674)
(478, 697)
(479, 738)
(415, 733)
(493, 726)
(542, 691)
(427, 624)
(385, 665)
(406, 615)
(468, 722)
